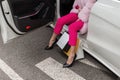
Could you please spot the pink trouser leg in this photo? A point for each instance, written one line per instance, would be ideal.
(73, 29)
(67, 19)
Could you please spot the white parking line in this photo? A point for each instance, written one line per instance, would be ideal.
(9, 71)
(54, 69)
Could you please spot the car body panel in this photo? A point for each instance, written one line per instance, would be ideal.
(103, 33)
(6, 32)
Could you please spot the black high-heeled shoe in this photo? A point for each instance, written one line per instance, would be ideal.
(65, 65)
(51, 47)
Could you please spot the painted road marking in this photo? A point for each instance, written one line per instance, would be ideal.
(9, 71)
(86, 61)
(54, 69)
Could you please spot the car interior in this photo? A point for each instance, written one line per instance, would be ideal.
(30, 14)
(65, 6)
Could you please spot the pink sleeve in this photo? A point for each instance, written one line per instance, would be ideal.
(84, 13)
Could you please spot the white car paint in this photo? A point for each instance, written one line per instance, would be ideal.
(6, 32)
(103, 34)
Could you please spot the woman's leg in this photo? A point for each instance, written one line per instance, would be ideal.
(73, 29)
(67, 19)
(52, 39)
(71, 55)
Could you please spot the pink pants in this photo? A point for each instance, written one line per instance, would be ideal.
(75, 25)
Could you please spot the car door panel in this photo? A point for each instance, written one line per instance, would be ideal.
(103, 33)
(7, 17)
(32, 13)
(21, 16)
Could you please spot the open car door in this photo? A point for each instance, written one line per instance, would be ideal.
(21, 16)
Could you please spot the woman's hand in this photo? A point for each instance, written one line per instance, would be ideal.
(78, 8)
(77, 19)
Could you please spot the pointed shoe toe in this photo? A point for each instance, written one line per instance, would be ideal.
(65, 65)
(48, 48)
(51, 47)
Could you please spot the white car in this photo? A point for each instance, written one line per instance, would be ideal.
(102, 41)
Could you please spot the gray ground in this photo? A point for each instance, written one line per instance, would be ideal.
(23, 53)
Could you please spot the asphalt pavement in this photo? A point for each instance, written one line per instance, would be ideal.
(24, 58)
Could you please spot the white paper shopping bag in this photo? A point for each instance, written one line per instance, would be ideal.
(65, 47)
(63, 40)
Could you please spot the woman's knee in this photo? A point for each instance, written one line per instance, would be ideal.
(60, 21)
(71, 28)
